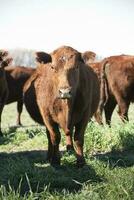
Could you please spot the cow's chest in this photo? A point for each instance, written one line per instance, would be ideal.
(60, 111)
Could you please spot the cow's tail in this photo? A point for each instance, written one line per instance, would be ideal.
(103, 87)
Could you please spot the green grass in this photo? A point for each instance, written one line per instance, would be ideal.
(25, 174)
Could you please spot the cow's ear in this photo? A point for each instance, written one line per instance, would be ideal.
(42, 57)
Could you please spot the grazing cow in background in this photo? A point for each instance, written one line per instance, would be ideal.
(43, 57)
(63, 94)
(117, 85)
(88, 57)
(16, 77)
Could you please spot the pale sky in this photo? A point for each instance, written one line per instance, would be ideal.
(103, 26)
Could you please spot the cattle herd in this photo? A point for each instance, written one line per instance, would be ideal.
(65, 90)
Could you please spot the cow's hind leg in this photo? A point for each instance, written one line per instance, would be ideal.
(123, 110)
(108, 109)
(98, 117)
(19, 111)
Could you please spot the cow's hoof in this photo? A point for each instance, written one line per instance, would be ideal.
(1, 134)
(55, 162)
(81, 163)
(48, 157)
(70, 149)
(18, 124)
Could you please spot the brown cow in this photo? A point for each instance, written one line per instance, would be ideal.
(108, 101)
(66, 92)
(117, 85)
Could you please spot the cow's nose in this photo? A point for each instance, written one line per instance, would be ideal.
(65, 93)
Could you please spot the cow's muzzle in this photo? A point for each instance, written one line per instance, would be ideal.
(65, 93)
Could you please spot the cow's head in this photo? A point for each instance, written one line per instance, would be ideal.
(66, 64)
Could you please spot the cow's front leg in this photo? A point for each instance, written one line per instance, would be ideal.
(54, 137)
(79, 142)
(69, 142)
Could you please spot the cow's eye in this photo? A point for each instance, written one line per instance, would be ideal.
(53, 68)
(71, 56)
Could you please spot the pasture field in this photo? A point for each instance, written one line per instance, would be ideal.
(25, 174)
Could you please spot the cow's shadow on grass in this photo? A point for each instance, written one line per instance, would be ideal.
(30, 170)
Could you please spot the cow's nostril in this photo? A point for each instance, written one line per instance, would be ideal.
(69, 91)
(60, 91)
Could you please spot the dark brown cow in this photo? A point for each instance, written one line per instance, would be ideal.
(43, 57)
(117, 85)
(88, 57)
(66, 92)
(16, 78)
